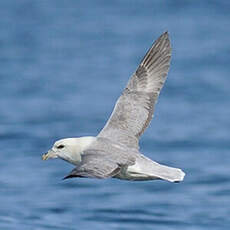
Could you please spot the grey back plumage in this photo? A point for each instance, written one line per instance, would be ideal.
(135, 107)
(103, 159)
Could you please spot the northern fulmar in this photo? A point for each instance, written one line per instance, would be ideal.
(114, 152)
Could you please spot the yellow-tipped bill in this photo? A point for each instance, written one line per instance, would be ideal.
(50, 154)
(45, 156)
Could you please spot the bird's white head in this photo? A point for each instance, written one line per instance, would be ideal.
(69, 149)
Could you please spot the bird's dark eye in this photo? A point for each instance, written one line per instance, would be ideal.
(60, 146)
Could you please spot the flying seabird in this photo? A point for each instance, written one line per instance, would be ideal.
(114, 152)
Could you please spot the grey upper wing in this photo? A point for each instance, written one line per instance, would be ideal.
(134, 109)
(95, 166)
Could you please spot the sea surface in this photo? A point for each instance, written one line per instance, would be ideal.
(63, 64)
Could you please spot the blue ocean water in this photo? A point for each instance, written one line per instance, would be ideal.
(63, 64)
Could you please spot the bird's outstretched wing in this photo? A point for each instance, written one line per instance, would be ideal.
(134, 109)
(95, 166)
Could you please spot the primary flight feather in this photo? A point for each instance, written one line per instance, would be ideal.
(115, 151)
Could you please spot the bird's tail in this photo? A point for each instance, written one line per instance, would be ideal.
(153, 170)
(164, 172)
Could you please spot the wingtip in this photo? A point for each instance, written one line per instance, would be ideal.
(165, 34)
(165, 38)
(66, 177)
(70, 176)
